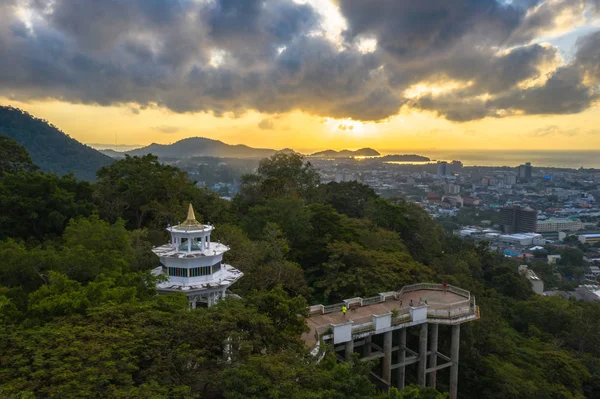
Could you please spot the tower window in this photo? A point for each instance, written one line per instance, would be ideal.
(178, 272)
(216, 267)
(200, 271)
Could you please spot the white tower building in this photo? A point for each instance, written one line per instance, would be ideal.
(193, 265)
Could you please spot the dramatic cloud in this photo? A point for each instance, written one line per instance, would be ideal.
(166, 129)
(554, 130)
(463, 59)
(266, 124)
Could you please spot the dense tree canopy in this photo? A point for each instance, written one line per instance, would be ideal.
(14, 158)
(80, 318)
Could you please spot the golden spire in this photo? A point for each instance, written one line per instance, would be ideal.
(191, 215)
(191, 222)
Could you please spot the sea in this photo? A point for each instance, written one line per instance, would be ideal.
(574, 159)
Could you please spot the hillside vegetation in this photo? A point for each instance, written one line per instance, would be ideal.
(80, 318)
(49, 148)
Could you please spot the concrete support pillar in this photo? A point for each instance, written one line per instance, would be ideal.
(433, 347)
(422, 355)
(454, 350)
(349, 350)
(193, 304)
(387, 357)
(367, 346)
(189, 244)
(401, 357)
(207, 242)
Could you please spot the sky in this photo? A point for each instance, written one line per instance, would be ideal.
(309, 74)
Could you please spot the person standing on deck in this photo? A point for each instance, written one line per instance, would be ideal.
(445, 286)
(344, 309)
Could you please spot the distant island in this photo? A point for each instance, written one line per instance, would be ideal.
(197, 147)
(363, 152)
(404, 158)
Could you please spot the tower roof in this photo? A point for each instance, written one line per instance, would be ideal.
(190, 223)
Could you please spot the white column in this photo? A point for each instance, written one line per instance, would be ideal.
(454, 349)
(433, 347)
(422, 355)
(349, 350)
(387, 358)
(208, 242)
(401, 357)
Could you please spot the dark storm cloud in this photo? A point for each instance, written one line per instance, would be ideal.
(408, 28)
(588, 54)
(229, 56)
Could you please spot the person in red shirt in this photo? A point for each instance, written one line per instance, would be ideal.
(445, 285)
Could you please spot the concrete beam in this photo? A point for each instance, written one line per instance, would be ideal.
(407, 362)
(439, 367)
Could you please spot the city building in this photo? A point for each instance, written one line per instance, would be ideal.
(193, 264)
(522, 239)
(452, 189)
(516, 219)
(443, 169)
(552, 259)
(559, 224)
(510, 179)
(594, 273)
(525, 172)
(589, 238)
(537, 285)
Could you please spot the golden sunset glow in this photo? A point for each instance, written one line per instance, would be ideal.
(409, 130)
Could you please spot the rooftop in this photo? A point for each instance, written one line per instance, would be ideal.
(171, 251)
(190, 223)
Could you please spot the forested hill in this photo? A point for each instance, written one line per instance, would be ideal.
(49, 148)
(201, 146)
(80, 318)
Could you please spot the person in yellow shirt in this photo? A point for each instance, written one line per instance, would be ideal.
(344, 309)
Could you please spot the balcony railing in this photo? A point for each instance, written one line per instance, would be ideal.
(359, 302)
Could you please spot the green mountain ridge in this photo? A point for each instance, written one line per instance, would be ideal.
(50, 148)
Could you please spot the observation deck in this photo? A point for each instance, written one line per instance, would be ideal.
(452, 306)
(385, 318)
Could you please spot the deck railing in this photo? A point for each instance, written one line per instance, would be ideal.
(324, 309)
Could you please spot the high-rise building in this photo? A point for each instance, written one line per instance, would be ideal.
(443, 169)
(516, 219)
(525, 172)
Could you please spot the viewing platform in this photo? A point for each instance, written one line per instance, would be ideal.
(367, 319)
